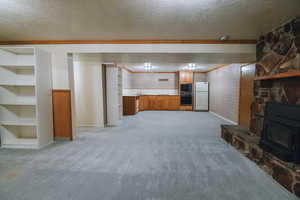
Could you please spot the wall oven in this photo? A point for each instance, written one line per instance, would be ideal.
(186, 94)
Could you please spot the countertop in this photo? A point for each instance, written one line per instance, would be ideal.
(150, 95)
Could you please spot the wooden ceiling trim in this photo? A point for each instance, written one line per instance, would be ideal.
(127, 69)
(217, 67)
(56, 42)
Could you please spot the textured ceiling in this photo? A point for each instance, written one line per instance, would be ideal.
(201, 58)
(166, 62)
(141, 19)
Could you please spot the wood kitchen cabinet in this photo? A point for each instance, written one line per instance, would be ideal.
(159, 102)
(130, 105)
(185, 77)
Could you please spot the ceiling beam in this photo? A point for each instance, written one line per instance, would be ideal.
(52, 42)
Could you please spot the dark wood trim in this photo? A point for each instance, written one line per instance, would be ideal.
(239, 110)
(51, 42)
(104, 88)
(278, 76)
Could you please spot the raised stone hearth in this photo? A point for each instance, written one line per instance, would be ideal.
(286, 174)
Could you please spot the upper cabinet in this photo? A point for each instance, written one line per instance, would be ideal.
(185, 77)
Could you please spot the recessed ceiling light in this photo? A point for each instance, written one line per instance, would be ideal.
(147, 66)
(191, 66)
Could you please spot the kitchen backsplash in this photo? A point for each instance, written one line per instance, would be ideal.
(136, 92)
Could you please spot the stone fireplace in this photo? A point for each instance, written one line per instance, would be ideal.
(273, 138)
(281, 131)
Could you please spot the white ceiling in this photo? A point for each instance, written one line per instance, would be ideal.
(141, 19)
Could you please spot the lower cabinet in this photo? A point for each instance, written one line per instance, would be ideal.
(130, 105)
(62, 114)
(159, 102)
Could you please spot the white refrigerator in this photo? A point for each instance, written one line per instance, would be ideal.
(201, 96)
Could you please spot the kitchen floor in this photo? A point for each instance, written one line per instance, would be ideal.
(155, 155)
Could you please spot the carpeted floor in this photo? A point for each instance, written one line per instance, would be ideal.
(152, 156)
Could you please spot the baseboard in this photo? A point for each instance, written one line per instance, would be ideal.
(90, 125)
(44, 145)
(232, 122)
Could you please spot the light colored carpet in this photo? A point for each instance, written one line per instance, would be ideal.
(152, 156)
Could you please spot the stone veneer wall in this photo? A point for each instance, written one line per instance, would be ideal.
(277, 52)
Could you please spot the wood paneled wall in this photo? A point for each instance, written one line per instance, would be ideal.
(246, 93)
(62, 114)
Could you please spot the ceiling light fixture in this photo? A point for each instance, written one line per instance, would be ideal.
(191, 66)
(147, 66)
(224, 38)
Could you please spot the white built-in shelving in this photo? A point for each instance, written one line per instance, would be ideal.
(114, 95)
(25, 98)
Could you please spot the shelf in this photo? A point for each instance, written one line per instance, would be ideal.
(18, 123)
(278, 76)
(18, 66)
(19, 50)
(25, 75)
(21, 143)
(18, 84)
(18, 103)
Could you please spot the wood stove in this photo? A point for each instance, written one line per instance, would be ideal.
(281, 131)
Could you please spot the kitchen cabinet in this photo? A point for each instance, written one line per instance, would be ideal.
(185, 77)
(130, 105)
(159, 102)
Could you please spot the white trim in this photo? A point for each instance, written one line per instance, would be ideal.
(90, 125)
(223, 118)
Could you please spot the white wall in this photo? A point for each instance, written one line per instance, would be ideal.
(149, 84)
(60, 62)
(200, 77)
(88, 92)
(127, 79)
(151, 81)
